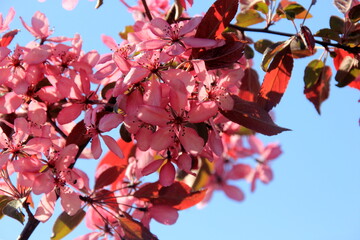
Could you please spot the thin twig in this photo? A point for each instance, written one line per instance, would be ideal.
(355, 50)
(147, 10)
(30, 226)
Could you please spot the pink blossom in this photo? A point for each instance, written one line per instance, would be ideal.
(4, 23)
(173, 38)
(263, 171)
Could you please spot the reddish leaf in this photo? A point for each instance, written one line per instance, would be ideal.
(319, 91)
(111, 159)
(8, 37)
(276, 80)
(252, 116)
(134, 230)
(178, 195)
(225, 55)
(250, 85)
(340, 55)
(79, 136)
(217, 19)
(108, 176)
(148, 191)
(308, 38)
(191, 200)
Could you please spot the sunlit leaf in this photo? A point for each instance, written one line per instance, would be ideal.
(252, 116)
(250, 85)
(299, 50)
(248, 18)
(276, 79)
(128, 149)
(4, 200)
(65, 224)
(217, 18)
(203, 175)
(108, 176)
(127, 30)
(134, 230)
(262, 44)
(318, 92)
(13, 209)
(347, 72)
(261, 7)
(328, 33)
(7, 38)
(272, 51)
(313, 72)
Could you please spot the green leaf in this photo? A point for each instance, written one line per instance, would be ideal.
(262, 44)
(248, 18)
(271, 52)
(337, 24)
(328, 33)
(347, 72)
(4, 200)
(312, 72)
(248, 52)
(64, 224)
(261, 7)
(294, 8)
(13, 210)
(354, 13)
(127, 30)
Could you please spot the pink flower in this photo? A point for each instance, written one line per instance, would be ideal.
(4, 23)
(19, 144)
(96, 127)
(173, 38)
(263, 171)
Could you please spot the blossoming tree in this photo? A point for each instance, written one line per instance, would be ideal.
(183, 93)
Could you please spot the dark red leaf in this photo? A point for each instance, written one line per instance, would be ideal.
(111, 159)
(78, 136)
(178, 195)
(191, 200)
(276, 80)
(8, 37)
(225, 55)
(319, 92)
(108, 176)
(250, 85)
(252, 116)
(217, 18)
(148, 191)
(133, 229)
(308, 38)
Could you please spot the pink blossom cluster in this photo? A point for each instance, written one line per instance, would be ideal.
(56, 98)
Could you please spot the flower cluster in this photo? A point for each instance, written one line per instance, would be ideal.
(161, 88)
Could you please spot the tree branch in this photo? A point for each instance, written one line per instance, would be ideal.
(354, 50)
(147, 10)
(30, 226)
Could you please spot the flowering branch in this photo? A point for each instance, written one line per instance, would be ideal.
(355, 50)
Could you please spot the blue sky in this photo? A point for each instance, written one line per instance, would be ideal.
(315, 193)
